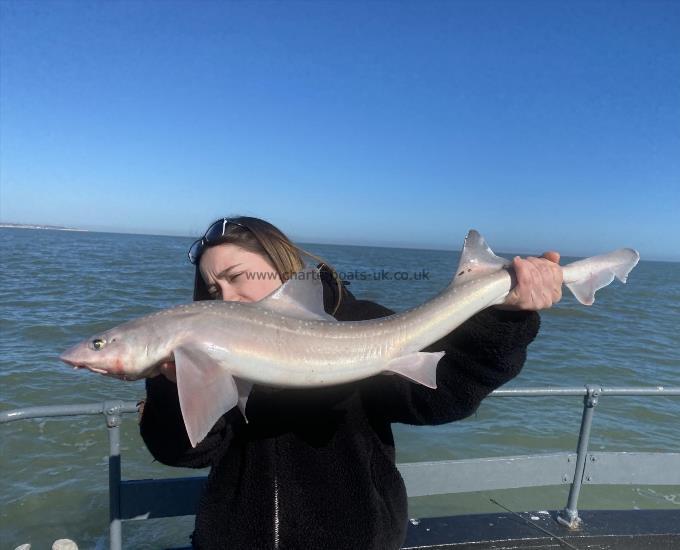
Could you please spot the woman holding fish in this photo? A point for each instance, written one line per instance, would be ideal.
(315, 467)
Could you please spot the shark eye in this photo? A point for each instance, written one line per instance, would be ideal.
(98, 343)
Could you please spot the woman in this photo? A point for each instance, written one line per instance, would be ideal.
(314, 468)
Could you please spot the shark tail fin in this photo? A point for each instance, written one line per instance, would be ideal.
(585, 277)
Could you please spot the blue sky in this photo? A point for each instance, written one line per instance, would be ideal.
(541, 124)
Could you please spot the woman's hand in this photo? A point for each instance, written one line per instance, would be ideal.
(167, 369)
(539, 283)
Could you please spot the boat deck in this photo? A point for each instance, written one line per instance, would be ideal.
(134, 499)
(602, 529)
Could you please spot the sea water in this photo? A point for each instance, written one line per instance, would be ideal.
(58, 287)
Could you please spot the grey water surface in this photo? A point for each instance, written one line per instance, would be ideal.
(57, 287)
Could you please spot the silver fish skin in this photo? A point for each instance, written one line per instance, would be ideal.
(287, 340)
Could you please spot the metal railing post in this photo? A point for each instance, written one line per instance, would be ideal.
(569, 516)
(112, 410)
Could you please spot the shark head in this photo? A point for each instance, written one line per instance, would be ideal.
(117, 352)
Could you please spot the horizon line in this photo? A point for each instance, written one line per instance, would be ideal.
(50, 227)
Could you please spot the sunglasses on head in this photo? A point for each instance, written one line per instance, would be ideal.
(215, 231)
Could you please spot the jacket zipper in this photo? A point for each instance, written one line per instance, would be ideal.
(276, 513)
(276, 503)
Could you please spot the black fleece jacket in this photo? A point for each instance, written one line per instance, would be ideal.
(314, 468)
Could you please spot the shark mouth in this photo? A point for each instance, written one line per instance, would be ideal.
(77, 365)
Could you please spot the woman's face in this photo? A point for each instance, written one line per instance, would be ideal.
(237, 275)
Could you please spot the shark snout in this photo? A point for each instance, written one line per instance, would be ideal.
(76, 356)
(71, 356)
(63, 358)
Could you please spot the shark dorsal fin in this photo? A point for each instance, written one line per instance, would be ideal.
(300, 296)
(477, 259)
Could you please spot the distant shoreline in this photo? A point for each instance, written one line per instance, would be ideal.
(36, 226)
(302, 242)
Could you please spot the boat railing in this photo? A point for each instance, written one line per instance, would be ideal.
(135, 499)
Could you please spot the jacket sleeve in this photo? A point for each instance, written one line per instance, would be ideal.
(162, 427)
(485, 352)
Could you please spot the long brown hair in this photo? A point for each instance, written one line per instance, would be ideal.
(262, 238)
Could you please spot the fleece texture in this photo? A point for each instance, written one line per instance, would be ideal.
(315, 468)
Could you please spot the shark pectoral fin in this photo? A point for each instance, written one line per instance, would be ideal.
(420, 367)
(206, 391)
